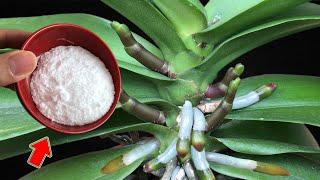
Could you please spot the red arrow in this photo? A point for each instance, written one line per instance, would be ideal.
(40, 150)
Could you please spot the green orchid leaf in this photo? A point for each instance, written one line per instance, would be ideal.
(97, 25)
(85, 166)
(303, 17)
(229, 17)
(296, 100)
(190, 19)
(264, 147)
(14, 120)
(149, 19)
(291, 133)
(298, 166)
(125, 123)
(266, 138)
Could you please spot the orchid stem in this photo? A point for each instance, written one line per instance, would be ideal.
(141, 54)
(141, 110)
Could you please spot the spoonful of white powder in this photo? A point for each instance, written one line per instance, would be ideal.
(71, 86)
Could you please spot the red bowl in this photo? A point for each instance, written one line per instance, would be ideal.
(63, 35)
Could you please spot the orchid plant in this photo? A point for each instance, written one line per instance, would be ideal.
(195, 125)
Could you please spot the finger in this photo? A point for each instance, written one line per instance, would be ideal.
(13, 38)
(15, 66)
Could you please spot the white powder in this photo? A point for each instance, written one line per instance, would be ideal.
(71, 86)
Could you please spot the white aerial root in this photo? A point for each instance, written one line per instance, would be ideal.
(140, 151)
(231, 161)
(171, 165)
(189, 170)
(246, 100)
(199, 159)
(240, 102)
(199, 123)
(266, 168)
(159, 172)
(162, 159)
(169, 153)
(186, 121)
(178, 174)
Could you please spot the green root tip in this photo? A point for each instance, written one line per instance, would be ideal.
(234, 86)
(239, 69)
(121, 29)
(115, 25)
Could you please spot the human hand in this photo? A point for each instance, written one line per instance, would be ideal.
(18, 64)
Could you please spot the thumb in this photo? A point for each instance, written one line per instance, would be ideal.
(15, 66)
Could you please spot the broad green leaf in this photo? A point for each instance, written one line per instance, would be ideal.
(97, 25)
(296, 100)
(14, 120)
(19, 145)
(264, 147)
(291, 133)
(303, 17)
(298, 166)
(152, 22)
(236, 16)
(85, 166)
(190, 19)
(266, 138)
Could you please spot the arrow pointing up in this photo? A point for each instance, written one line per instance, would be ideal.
(40, 150)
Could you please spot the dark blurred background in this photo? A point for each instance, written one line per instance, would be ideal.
(297, 54)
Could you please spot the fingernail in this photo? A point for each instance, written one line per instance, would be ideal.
(22, 63)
